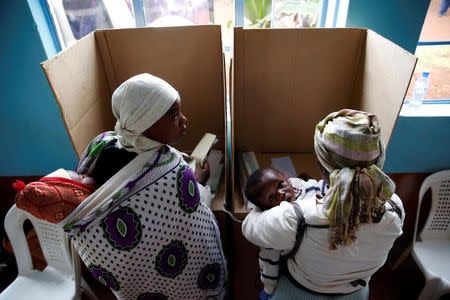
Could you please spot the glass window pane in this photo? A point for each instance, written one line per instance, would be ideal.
(86, 16)
(178, 12)
(436, 60)
(77, 18)
(192, 12)
(436, 27)
(433, 52)
(296, 13)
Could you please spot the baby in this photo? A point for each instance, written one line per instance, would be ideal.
(54, 196)
(266, 188)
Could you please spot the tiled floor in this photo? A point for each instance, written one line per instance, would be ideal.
(404, 283)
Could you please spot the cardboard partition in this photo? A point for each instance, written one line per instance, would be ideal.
(284, 81)
(84, 76)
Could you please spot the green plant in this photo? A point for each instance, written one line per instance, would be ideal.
(258, 12)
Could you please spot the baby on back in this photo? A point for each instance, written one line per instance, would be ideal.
(267, 188)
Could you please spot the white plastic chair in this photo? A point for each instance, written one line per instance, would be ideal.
(431, 248)
(60, 280)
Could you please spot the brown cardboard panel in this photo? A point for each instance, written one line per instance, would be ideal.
(382, 81)
(83, 77)
(286, 80)
(302, 162)
(219, 199)
(189, 58)
(77, 79)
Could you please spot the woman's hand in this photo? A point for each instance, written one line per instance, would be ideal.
(202, 172)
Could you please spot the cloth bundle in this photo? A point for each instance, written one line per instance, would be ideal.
(53, 197)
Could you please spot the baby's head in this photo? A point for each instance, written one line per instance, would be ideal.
(268, 187)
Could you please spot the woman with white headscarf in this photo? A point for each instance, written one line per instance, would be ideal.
(147, 232)
(335, 243)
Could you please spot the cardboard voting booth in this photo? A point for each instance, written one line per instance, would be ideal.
(284, 81)
(84, 76)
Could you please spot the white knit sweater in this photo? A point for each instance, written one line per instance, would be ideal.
(315, 266)
(269, 259)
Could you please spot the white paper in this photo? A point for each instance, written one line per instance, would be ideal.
(284, 164)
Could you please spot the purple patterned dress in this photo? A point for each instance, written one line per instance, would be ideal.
(155, 239)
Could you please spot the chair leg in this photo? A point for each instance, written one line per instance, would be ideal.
(86, 289)
(431, 290)
(401, 259)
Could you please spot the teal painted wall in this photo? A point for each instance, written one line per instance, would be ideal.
(418, 144)
(400, 20)
(34, 140)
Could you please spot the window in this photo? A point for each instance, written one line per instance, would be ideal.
(74, 19)
(433, 53)
(178, 12)
(294, 13)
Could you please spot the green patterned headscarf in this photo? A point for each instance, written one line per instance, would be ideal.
(348, 145)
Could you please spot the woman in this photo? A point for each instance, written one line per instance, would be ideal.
(147, 232)
(350, 230)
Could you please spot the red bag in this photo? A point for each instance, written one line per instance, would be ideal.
(51, 198)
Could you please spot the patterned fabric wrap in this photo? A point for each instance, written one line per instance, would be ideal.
(93, 150)
(348, 145)
(52, 198)
(155, 238)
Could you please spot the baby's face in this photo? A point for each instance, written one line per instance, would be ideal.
(275, 188)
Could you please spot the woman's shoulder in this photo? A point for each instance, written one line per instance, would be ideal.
(312, 208)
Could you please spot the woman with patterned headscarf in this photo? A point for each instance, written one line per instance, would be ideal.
(147, 231)
(336, 242)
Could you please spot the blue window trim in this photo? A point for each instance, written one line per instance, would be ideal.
(52, 25)
(139, 15)
(323, 14)
(432, 43)
(433, 101)
(336, 11)
(239, 13)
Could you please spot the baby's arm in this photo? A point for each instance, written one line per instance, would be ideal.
(269, 264)
(308, 188)
(274, 228)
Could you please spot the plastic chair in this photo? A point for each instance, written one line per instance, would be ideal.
(431, 248)
(61, 278)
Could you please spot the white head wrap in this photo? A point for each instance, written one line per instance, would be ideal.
(137, 104)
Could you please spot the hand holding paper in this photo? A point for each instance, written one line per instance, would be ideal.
(202, 149)
(202, 172)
